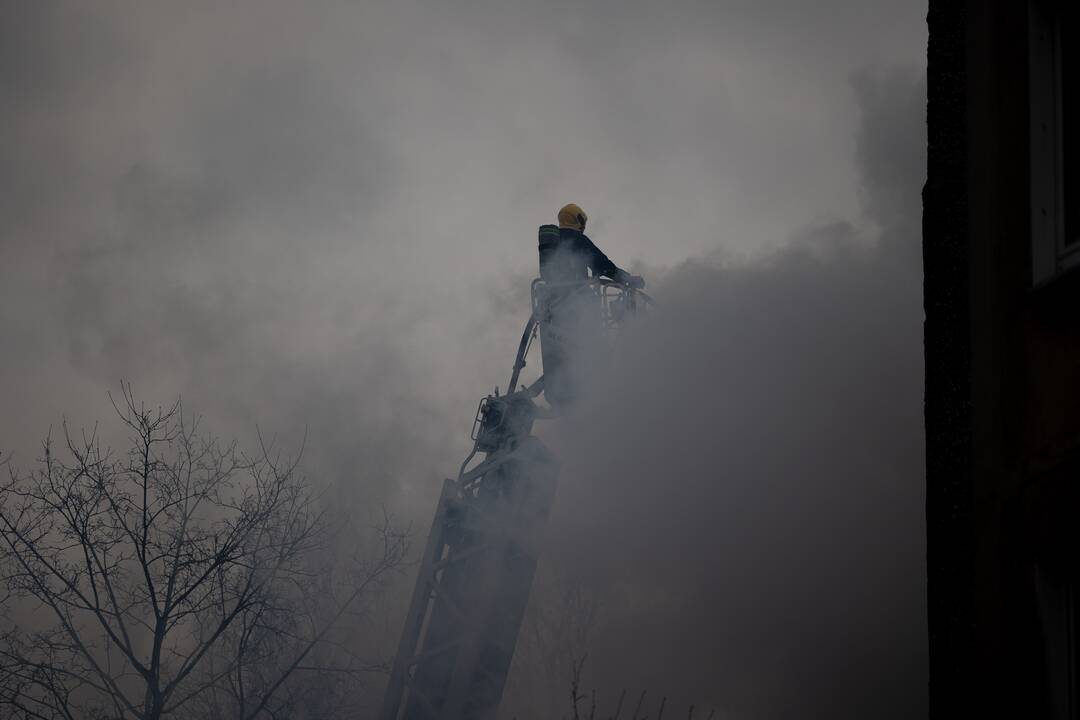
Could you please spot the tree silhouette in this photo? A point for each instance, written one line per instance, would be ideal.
(182, 576)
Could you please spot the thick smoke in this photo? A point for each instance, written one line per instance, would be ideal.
(321, 217)
(741, 498)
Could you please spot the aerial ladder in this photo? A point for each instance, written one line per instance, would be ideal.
(478, 564)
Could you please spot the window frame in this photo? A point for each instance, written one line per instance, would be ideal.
(1051, 255)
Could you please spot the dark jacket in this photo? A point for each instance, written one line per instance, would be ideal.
(566, 255)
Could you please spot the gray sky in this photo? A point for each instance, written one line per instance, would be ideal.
(323, 215)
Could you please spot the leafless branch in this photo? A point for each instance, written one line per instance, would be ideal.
(178, 573)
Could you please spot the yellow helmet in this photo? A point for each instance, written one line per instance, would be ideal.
(572, 216)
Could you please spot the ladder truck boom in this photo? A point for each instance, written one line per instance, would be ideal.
(480, 557)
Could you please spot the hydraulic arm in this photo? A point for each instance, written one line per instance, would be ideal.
(480, 557)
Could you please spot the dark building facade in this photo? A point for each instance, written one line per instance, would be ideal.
(1001, 249)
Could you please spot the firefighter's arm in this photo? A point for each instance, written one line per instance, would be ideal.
(634, 281)
(601, 265)
(598, 261)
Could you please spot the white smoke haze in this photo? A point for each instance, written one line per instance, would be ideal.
(741, 502)
(322, 217)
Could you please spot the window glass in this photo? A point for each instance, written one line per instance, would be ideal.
(1070, 60)
(1058, 608)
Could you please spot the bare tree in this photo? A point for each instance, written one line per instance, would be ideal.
(576, 697)
(554, 636)
(182, 577)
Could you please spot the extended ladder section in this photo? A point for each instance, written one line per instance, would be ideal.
(480, 558)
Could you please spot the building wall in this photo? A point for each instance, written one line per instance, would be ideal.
(1003, 376)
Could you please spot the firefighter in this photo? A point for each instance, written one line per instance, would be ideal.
(571, 317)
(566, 254)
